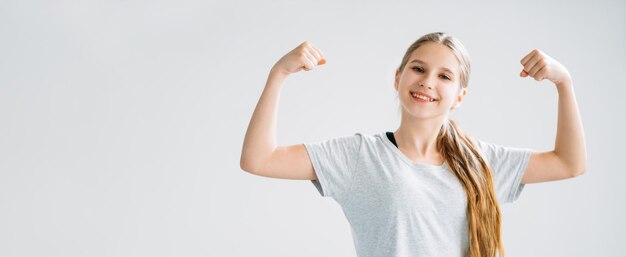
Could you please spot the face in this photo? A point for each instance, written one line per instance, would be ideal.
(432, 70)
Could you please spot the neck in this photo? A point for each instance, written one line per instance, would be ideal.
(419, 136)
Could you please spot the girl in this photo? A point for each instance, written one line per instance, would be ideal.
(426, 189)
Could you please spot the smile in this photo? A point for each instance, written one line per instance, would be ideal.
(421, 97)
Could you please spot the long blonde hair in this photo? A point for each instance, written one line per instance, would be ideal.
(468, 163)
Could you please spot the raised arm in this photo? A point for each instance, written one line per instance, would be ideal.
(569, 157)
(260, 154)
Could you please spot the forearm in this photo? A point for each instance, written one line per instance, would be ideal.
(260, 138)
(570, 139)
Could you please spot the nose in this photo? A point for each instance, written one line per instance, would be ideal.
(426, 82)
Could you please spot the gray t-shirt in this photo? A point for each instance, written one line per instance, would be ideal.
(397, 207)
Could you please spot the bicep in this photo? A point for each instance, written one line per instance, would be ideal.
(288, 162)
(544, 167)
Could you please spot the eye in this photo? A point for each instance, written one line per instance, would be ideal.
(420, 69)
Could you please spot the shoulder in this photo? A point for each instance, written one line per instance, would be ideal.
(501, 155)
(491, 151)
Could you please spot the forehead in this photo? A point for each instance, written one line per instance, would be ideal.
(435, 56)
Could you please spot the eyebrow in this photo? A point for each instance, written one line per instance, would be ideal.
(422, 62)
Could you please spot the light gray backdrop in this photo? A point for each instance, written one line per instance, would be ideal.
(122, 121)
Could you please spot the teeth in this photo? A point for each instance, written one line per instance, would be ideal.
(422, 97)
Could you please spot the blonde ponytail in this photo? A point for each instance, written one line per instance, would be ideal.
(471, 168)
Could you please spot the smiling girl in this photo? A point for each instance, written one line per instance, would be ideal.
(426, 189)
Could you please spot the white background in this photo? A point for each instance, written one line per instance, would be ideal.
(122, 121)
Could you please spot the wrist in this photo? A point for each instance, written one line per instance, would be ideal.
(274, 72)
(276, 78)
(564, 85)
(565, 82)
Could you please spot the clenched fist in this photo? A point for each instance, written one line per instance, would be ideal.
(304, 57)
(539, 66)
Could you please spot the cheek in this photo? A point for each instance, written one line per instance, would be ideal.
(402, 79)
(449, 96)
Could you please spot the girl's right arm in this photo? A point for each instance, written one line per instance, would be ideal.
(260, 155)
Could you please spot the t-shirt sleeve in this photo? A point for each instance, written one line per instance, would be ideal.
(508, 165)
(334, 161)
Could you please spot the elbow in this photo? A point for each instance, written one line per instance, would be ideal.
(576, 166)
(245, 165)
(252, 162)
(579, 170)
(582, 167)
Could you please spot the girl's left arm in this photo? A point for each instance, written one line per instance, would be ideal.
(569, 157)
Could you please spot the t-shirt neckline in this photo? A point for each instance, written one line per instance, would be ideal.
(406, 159)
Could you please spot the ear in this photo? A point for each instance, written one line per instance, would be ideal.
(459, 98)
(397, 79)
